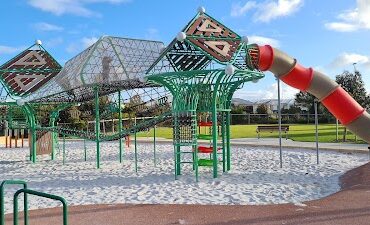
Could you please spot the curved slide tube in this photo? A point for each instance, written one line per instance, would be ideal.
(329, 93)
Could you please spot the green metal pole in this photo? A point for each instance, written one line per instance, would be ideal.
(228, 152)
(223, 141)
(97, 127)
(154, 141)
(120, 126)
(52, 123)
(135, 148)
(195, 162)
(32, 122)
(64, 149)
(2, 200)
(214, 138)
(178, 156)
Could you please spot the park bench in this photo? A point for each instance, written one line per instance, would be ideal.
(271, 128)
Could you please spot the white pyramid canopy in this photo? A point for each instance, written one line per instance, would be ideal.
(111, 64)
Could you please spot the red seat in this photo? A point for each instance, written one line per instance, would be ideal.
(205, 124)
(206, 149)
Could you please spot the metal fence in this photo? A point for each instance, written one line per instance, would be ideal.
(246, 119)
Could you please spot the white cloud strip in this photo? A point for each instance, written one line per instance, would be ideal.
(267, 10)
(263, 41)
(42, 26)
(74, 7)
(352, 19)
(346, 59)
(10, 50)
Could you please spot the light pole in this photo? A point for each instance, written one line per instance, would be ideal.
(354, 67)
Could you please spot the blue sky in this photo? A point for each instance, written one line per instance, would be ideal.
(326, 35)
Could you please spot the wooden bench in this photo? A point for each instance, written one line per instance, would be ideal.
(271, 128)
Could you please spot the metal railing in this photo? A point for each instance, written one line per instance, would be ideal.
(41, 194)
(26, 192)
(2, 199)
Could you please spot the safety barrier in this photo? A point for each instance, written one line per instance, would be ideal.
(26, 192)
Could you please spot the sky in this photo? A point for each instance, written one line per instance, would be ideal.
(327, 35)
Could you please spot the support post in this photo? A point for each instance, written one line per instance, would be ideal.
(53, 136)
(97, 127)
(64, 149)
(135, 147)
(120, 126)
(22, 137)
(336, 130)
(228, 150)
(10, 137)
(279, 120)
(214, 138)
(16, 138)
(154, 141)
(223, 126)
(316, 132)
(6, 134)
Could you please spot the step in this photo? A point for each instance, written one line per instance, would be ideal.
(205, 162)
(206, 149)
(205, 137)
(205, 124)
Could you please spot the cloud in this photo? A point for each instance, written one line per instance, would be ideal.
(74, 7)
(353, 19)
(346, 59)
(264, 41)
(4, 50)
(54, 42)
(87, 42)
(81, 44)
(267, 10)
(152, 34)
(271, 92)
(42, 26)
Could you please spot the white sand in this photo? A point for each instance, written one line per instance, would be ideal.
(255, 178)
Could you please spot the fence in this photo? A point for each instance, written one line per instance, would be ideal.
(246, 119)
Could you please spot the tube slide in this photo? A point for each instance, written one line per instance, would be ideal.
(329, 93)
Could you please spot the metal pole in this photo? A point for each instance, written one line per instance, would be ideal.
(135, 147)
(154, 140)
(120, 126)
(336, 130)
(279, 120)
(317, 133)
(214, 138)
(228, 150)
(97, 127)
(64, 149)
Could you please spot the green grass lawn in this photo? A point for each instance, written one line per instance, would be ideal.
(297, 132)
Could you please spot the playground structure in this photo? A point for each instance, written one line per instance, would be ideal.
(191, 82)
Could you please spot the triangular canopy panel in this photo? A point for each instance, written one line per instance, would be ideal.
(110, 64)
(28, 71)
(207, 44)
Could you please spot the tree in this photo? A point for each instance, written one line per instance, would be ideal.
(305, 99)
(262, 109)
(354, 85)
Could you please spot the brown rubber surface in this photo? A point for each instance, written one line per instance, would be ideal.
(350, 206)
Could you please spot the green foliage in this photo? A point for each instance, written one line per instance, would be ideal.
(262, 109)
(292, 110)
(354, 85)
(237, 109)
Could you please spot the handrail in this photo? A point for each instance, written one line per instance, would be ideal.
(41, 194)
(2, 203)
